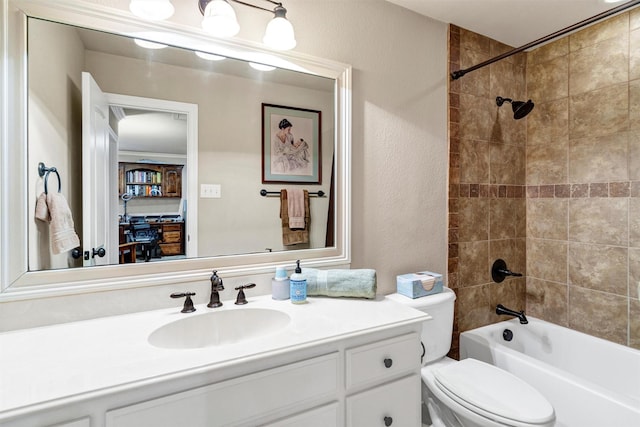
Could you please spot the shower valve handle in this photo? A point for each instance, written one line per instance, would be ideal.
(499, 271)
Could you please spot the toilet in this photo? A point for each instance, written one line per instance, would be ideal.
(469, 393)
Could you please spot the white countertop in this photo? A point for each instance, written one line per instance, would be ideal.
(44, 364)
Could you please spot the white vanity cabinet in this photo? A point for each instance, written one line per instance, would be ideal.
(339, 363)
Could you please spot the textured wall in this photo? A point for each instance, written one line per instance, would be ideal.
(577, 153)
(486, 177)
(583, 180)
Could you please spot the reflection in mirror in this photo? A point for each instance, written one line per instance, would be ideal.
(178, 203)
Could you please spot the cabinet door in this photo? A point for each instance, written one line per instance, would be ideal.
(278, 392)
(173, 181)
(326, 416)
(396, 404)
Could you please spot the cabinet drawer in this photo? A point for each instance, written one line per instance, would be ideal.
(325, 416)
(398, 402)
(238, 401)
(171, 236)
(172, 227)
(382, 360)
(171, 248)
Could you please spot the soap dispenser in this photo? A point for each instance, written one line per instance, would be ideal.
(280, 286)
(298, 285)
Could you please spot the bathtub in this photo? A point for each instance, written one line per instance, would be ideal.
(589, 381)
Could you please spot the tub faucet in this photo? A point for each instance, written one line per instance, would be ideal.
(501, 309)
(216, 285)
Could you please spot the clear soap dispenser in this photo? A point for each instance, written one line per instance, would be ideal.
(298, 286)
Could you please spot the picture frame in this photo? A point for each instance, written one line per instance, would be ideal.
(291, 145)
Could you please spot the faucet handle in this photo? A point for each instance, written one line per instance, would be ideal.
(241, 299)
(188, 303)
(216, 282)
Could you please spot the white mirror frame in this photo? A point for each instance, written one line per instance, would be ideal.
(16, 282)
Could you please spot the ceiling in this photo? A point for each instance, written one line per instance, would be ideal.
(513, 22)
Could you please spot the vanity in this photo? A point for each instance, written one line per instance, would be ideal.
(331, 362)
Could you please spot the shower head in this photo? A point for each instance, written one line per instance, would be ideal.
(520, 108)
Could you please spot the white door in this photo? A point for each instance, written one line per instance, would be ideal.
(96, 176)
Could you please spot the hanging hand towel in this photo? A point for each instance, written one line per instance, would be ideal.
(295, 208)
(53, 208)
(294, 236)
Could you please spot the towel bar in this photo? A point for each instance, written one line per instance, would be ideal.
(265, 193)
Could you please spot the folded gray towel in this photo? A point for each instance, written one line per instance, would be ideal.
(356, 283)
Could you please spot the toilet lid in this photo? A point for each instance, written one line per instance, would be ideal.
(488, 390)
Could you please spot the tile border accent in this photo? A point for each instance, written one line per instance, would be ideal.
(583, 190)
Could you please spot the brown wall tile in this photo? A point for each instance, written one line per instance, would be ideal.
(473, 259)
(598, 313)
(547, 164)
(473, 220)
(634, 222)
(507, 164)
(601, 220)
(634, 323)
(634, 273)
(550, 122)
(474, 161)
(547, 260)
(589, 71)
(473, 307)
(599, 32)
(477, 116)
(555, 49)
(599, 159)
(634, 51)
(634, 105)
(549, 80)
(547, 300)
(598, 267)
(547, 219)
(599, 112)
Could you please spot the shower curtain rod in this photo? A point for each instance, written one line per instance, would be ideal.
(457, 74)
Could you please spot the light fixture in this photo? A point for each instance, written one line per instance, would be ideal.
(220, 20)
(209, 56)
(149, 45)
(153, 10)
(261, 67)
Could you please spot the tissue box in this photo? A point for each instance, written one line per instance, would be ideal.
(420, 284)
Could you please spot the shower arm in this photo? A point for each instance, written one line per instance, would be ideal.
(455, 75)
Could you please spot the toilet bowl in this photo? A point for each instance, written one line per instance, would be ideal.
(469, 393)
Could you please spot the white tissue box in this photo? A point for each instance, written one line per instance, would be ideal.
(420, 284)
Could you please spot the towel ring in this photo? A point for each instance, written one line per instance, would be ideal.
(44, 171)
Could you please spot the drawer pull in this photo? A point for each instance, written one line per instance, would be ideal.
(388, 362)
(388, 421)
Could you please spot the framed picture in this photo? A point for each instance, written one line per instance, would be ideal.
(291, 146)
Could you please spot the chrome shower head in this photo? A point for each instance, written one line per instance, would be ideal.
(520, 108)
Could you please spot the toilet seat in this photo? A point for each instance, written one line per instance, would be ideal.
(493, 393)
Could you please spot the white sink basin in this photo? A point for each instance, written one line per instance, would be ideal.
(219, 328)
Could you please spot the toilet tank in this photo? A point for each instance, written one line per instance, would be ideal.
(436, 332)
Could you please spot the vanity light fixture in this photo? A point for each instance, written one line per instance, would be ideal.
(149, 45)
(220, 20)
(152, 10)
(209, 56)
(261, 67)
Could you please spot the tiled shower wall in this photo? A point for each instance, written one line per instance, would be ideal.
(583, 180)
(487, 181)
(576, 159)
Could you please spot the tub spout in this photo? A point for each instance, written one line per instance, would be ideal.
(501, 309)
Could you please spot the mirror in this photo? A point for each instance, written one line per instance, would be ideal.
(241, 230)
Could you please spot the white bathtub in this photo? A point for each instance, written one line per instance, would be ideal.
(589, 381)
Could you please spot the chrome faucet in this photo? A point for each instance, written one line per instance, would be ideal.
(501, 309)
(216, 285)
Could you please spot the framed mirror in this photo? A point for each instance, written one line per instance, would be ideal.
(159, 179)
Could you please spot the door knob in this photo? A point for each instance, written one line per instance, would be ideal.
(100, 252)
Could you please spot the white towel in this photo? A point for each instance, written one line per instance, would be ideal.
(54, 209)
(295, 206)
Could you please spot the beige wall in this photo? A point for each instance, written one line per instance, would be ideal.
(229, 147)
(56, 140)
(399, 153)
(579, 164)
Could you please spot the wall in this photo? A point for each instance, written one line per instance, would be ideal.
(399, 153)
(57, 139)
(580, 207)
(486, 181)
(583, 180)
(229, 146)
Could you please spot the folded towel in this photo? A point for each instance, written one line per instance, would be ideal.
(54, 209)
(296, 236)
(356, 283)
(295, 208)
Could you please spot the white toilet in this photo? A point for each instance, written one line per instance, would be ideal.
(469, 393)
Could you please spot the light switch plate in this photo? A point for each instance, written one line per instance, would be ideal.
(210, 191)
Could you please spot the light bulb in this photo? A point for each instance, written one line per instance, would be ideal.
(220, 19)
(153, 10)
